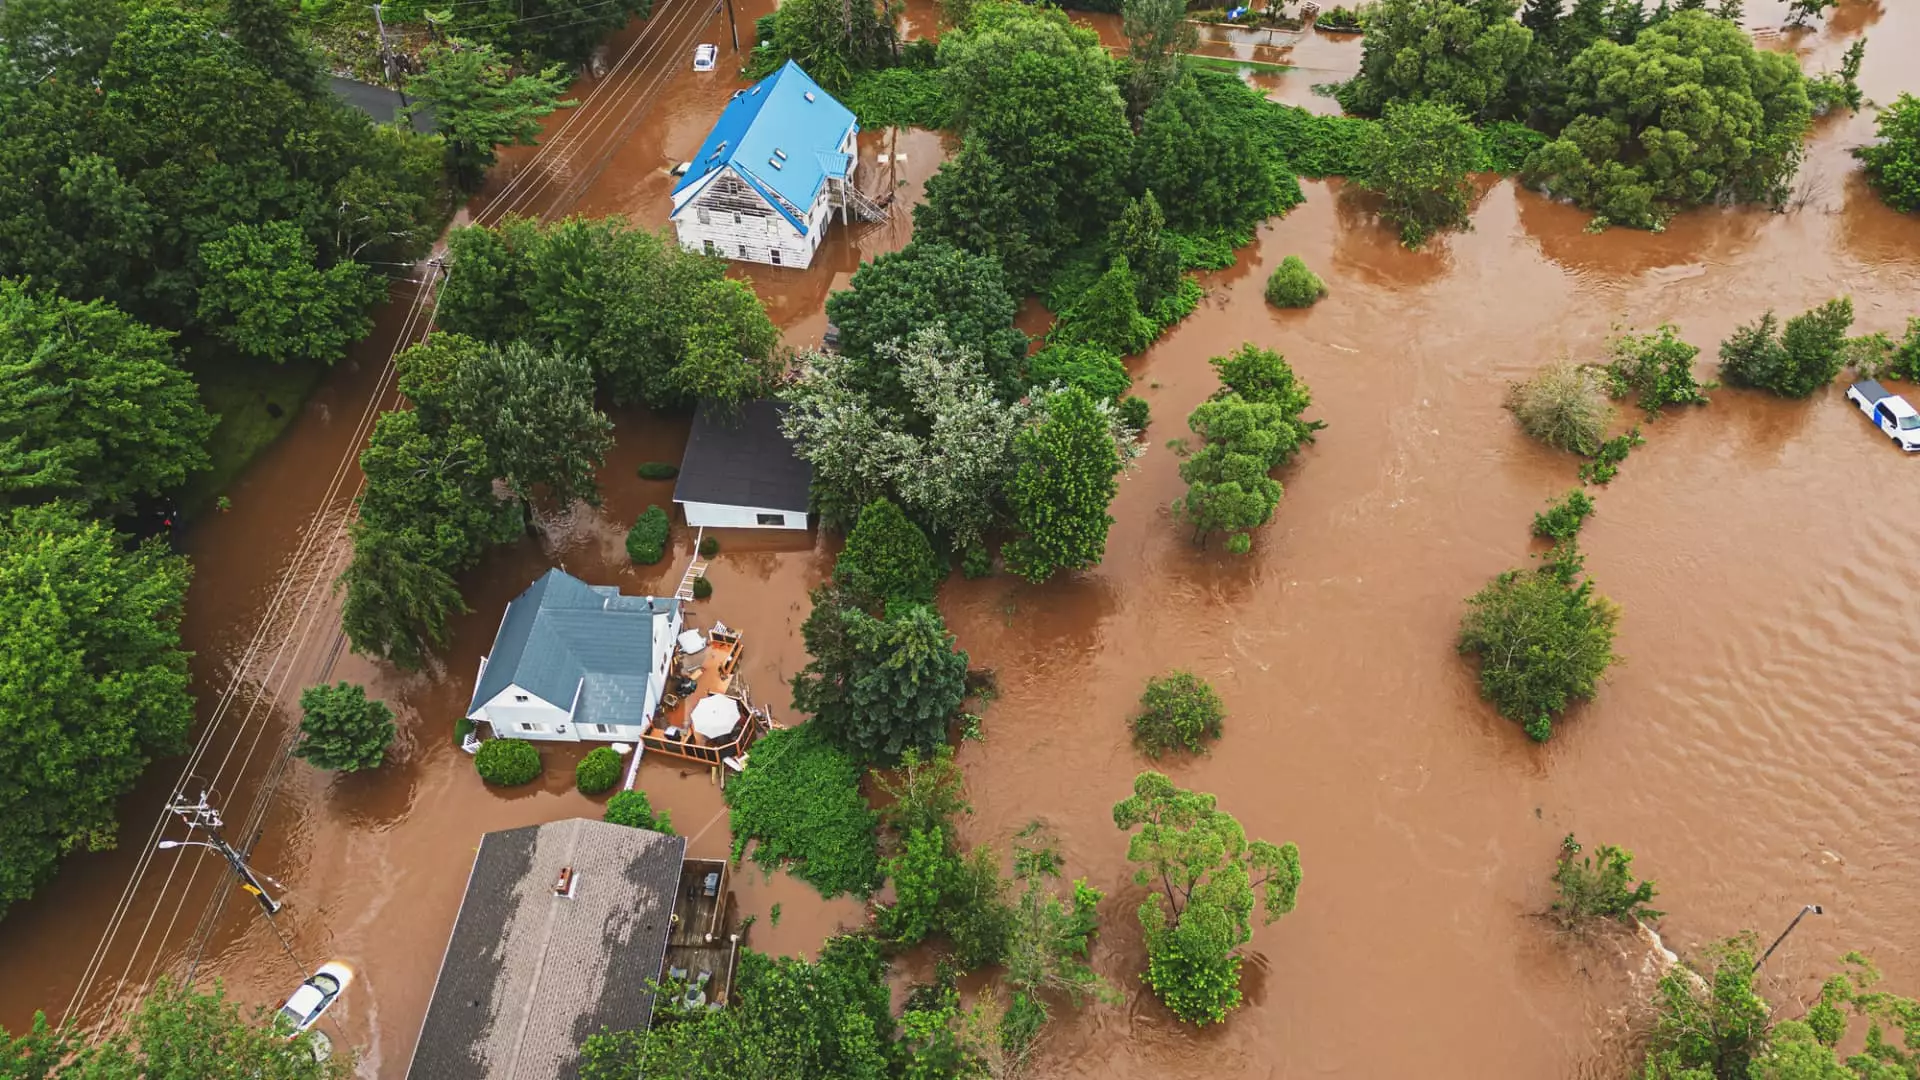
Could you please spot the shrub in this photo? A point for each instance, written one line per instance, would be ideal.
(1093, 369)
(1135, 413)
(1562, 406)
(1292, 285)
(342, 730)
(1562, 520)
(1656, 369)
(1893, 164)
(1339, 18)
(1795, 363)
(800, 801)
(647, 540)
(709, 547)
(976, 563)
(1543, 640)
(1878, 356)
(658, 470)
(1178, 710)
(632, 809)
(598, 771)
(887, 557)
(1606, 460)
(1603, 891)
(507, 762)
(1417, 159)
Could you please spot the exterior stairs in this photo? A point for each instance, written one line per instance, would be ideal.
(862, 207)
(697, 567)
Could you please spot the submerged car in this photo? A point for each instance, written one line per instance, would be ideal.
(1889, 410)
(314, 997)
(705, 56)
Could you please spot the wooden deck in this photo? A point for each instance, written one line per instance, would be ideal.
(717, 672)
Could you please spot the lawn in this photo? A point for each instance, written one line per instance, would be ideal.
(255, 401)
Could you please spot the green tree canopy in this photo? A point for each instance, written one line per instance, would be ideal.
(175, 1032)
(887, 558)
(481, 103)
(533, 410)
(801, 807)
(1139, 237)
(879, 686)
(1158, 34)
(1893, 163)
(562, 30)
(1207, 880)
(1249, 427)
(830, 39)
(1064, 483)
(971, 204)
(1107, 316)
(1417, 160)
(1039, 94)
(1631, 157)
(341, 730)
(267, 297)
(92, 405)
(1470, 54)
(1543, 638)
(95, 685)
(1093, 369)
(730, 345)
(1795, 363)
(899, 293)
(1212, 173)
(427, 512)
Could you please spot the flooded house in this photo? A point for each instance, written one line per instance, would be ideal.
(575, 662)
(766, 182)
(566, 929)
(740, 471)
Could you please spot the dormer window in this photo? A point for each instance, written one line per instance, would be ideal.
(519, 697)
(779, 153)
(776, 164)
(809, 95)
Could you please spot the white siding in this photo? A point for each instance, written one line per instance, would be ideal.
(507, 715)
(730, 219)
(721, 516)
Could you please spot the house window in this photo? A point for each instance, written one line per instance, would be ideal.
(707, 246)
(770, 519)
(519, 697)
(743, 251)
(736, 217)
(776, 256)
(706, 216)
(532, 727)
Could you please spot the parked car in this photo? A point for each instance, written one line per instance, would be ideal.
(1889, 410)
(704, 57)
(314, 997)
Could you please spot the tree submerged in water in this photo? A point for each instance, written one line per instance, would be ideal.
(1544, 638)
(1599, 886)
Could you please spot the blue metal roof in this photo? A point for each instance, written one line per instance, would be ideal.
(782, 136)
(562, 630)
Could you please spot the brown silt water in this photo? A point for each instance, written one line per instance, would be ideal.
(1754, 749)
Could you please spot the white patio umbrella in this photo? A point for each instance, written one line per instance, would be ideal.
(716, 715)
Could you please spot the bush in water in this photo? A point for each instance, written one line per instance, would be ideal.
(598, 771)
(1563, 406)
(507, 762)
(1292, 285)
(1178, 711)
(631, 808)
(647, 540)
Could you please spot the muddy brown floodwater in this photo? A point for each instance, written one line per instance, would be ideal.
(1755, 750)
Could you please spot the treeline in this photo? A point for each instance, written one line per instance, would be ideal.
(535, 325)
(175, 1032)
(175, 186)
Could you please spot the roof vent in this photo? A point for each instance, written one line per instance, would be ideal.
(809, 95)
(775, 164)
(564, 886)
(755, 90)
(779, 153)
(717, 151)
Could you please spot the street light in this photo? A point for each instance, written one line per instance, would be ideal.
(1805, 910)
(169, 845)
(248, 880)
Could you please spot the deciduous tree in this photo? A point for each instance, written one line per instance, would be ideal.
(1158, 33)
(1543, 638)
(1059, 495)
(95, 683)
(481, 104)
(341, 730)
(1795, 363)
(266, 295)
(1892, 164)
(1470, 54)
(533, 410)
(1417, 160)
(899, 294)
(1207, 880)
(92, 405)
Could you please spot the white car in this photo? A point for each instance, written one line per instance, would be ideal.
(704, 57)
(314, 997)
(1889, 410)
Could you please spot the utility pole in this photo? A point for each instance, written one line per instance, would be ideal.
(386, 58)
(206, 818)
(1805, 910)
(732, 26)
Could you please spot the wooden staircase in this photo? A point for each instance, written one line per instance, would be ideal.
(696, 568)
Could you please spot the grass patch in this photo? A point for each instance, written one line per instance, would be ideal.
(800, 799)
(255, 401)
(1232, 67)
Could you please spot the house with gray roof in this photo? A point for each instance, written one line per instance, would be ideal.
(574, 661)
(563, 931)
(740, 470)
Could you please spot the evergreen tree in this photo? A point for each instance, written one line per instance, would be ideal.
(879, 687)
(265, 29)
(1059, 496)
(1140, 238)
(887, 559)
(1543, 18)
(971, 205)
(1107, 316)
(341, 730)
(1221, 175)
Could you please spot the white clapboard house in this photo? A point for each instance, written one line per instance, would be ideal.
(771, 174)
(574, 661)
(740, 471)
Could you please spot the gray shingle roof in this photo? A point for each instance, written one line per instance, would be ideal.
(740, 458)
(562, 630)
(528, 975)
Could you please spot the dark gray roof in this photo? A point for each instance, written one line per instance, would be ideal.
(738, 457)
(528, 975)
(562, 630)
